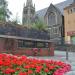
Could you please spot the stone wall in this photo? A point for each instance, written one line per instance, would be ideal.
(20, 31)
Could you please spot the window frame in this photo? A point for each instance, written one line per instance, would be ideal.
(51, 17)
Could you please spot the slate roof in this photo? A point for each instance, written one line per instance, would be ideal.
(60, 6)
(41, 13)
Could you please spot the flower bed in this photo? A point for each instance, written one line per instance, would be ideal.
(15, 65)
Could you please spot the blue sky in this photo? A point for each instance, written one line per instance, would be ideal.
(16, 6)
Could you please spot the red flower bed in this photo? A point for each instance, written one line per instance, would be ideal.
(14, 65)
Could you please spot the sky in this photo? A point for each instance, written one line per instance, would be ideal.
(16, 6)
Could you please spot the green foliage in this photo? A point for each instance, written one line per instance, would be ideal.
(16, 73)
(4, 12)
(1, 73)
(39, 25)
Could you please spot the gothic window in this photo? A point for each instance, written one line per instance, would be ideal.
(52, 19)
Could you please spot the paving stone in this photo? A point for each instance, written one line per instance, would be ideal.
(73, 63)
(70, 73)
(73, 68)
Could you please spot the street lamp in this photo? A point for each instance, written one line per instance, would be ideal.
(67, 45)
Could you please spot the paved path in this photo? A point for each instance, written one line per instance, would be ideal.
(61, 55)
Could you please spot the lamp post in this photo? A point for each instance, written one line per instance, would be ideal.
(67, 54)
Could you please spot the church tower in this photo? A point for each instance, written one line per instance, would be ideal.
(28, 13)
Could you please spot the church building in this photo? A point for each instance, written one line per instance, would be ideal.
(54, 20)
(28, 13)
(53, 16)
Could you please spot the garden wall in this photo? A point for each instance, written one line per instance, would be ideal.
(31, 52)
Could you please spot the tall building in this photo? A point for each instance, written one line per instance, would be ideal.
(28, 13)
(69, 17)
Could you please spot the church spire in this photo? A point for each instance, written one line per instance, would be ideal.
(29, 3)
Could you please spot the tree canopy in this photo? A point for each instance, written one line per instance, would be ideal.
(4, 11)
(39, 25)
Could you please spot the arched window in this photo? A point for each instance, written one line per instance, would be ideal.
(52, 19)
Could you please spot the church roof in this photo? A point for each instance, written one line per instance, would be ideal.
(60, 6)
(52, 6)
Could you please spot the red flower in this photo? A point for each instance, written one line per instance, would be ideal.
(46, 70)
(37, 71)
(30, 72)
(8, 71)
(17, 69)
(18, 62)
(51, 67)
(1, 62)
(9, 64)
(22, 73)
(27, 67)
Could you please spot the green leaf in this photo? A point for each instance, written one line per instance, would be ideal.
(4, 12)
(16, 73)
(1, 73)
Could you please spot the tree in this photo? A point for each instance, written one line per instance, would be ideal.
(39, 25)
(4, 11)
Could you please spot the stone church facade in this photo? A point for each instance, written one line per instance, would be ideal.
(54, 19)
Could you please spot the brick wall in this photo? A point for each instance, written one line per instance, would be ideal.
(1, 44)
(24, 51)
